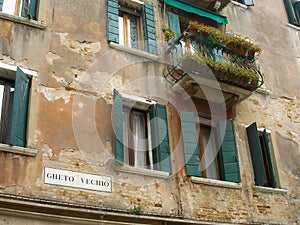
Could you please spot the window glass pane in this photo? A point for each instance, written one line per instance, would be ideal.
(210, 153)
(9, 6)
(1, 98)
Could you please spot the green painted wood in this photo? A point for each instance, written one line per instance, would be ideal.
(160, 138)
(118, 126)
(149, 30)
(113, 21)
(32, 9)
(297, 9)
(174, 23)
(1, 5)
(18, 126)
(228, 152)
(256, 155)
(269, 158)
(190, 144)
(290, 12)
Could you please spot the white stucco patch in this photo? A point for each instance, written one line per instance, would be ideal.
(52, 94)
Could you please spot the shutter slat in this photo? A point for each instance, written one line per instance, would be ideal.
(190, 144)
(18, 127)
(256, 155)
(113, 21)
(228, 152)
(269, 158)
(174, 23)
(149, 31)
(160, 138)
(118, 126)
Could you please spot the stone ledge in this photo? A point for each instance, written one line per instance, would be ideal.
(22, 20)
(217, 183)
(293, 26)
(270, 190)
(239, 4)
(133, 51)
(18, 150)
(140, 171)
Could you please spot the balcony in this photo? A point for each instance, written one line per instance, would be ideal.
(203, 55)
(212, 5)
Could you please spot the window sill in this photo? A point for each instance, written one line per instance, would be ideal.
(270, 190)
(218, 183)
(133, 51)
(22, 20)
(239, 4)
(18, 150)
(140, 171)
(293, 26)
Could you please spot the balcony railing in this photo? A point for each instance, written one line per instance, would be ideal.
(212, 54)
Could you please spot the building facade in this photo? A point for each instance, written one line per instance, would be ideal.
(149, 112)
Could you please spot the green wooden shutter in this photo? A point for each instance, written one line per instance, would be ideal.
(290, 12)
(160, 138)
(228, 152)
(149, 28)
(174, 23)
(18, 126)
(190, 144)
(118, 126)
(32, 9)
(1, 5)
(269, 157)
(256, 155)
(113, 21)
(297, 10)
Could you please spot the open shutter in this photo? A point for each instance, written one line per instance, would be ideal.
(297, 9)
(1, 5)
(256, 155)
(113, 21)
(118, 126)
(190, 144)
(32, 9)
(269, 158)
(18, 127)
(24, 9)
(228, 152)
(160, 138)
(149, 28)
(174, 23)
(290, 12)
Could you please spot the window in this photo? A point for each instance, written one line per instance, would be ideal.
(202, 158)
(260, 149)
(131, 23)
(14, 96)
(246, 2)
(292, 8)
(141, 134)
(23, 8)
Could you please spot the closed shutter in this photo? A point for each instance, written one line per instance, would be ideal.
(113, 21)
(160, 138)
(256, 155)
(1, 5)
(228, 152)
(290, 12)
(149, 28)
(32, 9)
(118, 126)
(174, 23)
(18, 127)
(190, 144)
(269, 158)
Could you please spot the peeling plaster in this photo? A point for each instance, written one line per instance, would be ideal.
(52, 94)
(47, 151)
(50, 57)
(82, 48)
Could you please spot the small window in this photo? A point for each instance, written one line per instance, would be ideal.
(245, 2)
(23, 8)
(141, 133)
(132, 24)
(261, 155)
(14, 98)
(204, 155)
(292, 8)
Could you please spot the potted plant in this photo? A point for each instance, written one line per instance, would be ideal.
(169, 34)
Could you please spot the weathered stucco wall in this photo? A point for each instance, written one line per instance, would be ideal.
(77, 71)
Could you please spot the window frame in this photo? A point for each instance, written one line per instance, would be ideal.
(291, 12)
(29, 11)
